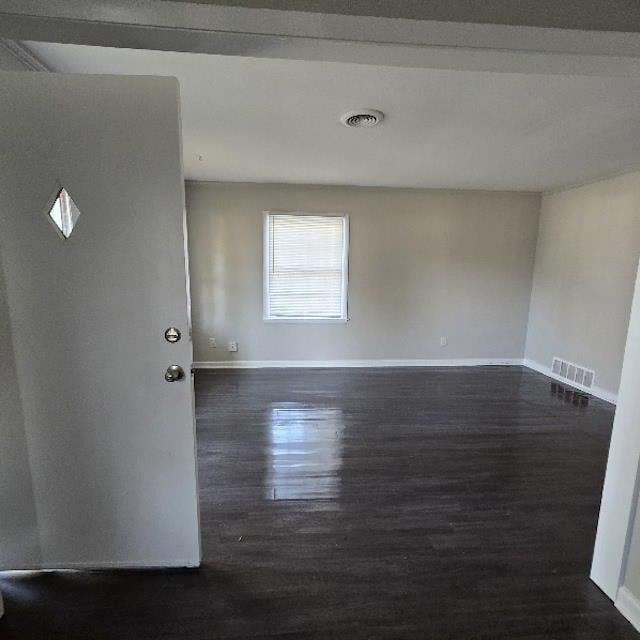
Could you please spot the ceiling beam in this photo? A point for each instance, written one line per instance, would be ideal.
(593, 15)
(204, 28)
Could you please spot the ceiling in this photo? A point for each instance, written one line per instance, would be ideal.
(265, 120)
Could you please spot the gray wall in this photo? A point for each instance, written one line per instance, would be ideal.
(585, 270)
(423, 264)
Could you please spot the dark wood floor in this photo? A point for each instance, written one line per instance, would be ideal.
(374, 503)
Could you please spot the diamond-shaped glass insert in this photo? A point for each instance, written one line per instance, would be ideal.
(64, 213)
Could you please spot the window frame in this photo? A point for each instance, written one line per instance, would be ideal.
(344, 315)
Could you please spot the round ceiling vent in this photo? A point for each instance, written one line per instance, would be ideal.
(362, 118)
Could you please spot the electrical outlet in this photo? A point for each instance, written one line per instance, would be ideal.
(212, 343)
(443, 341)
(233, 345)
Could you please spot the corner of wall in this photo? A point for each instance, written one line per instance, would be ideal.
(14, 56)
(525, 348)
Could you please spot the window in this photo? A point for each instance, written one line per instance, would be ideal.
(64, 213)
(305, 267)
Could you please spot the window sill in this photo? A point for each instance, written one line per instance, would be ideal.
(306, 320)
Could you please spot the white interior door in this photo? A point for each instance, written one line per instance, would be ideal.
(98, 451)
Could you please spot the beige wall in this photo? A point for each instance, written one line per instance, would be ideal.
(586, 261)
(423, 264)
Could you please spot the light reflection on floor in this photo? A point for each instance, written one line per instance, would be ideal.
(305, 452)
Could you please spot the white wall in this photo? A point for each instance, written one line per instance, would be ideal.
(423, 264)
(585, 269)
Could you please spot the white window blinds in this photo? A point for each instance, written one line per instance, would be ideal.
(305, 267)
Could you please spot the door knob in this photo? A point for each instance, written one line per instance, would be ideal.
(172, 335)
(174, 373)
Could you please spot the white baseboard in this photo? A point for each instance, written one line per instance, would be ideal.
(629, 606)
(314, 364)
(596, 391)
(118, 564)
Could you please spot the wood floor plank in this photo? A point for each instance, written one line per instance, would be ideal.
(454, 503)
